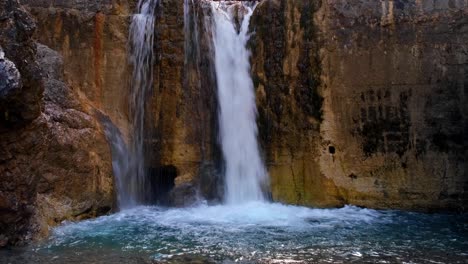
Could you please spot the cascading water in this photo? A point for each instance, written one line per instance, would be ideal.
(245, 173)
(120, 158)
(141, 42)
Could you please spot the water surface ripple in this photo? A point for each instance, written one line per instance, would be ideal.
(255, 233)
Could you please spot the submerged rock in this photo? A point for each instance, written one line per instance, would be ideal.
(188, 259)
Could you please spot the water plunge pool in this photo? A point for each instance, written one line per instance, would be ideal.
(254, 233)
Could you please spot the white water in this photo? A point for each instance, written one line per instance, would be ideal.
(246, 233)
(245, 173)
(231, 218)
(141, 42)
(256, 232)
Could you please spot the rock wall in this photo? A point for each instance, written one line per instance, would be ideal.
(184, 103)
(363, 102)
(287, 74)
(183, 107)
(92, 38)
(55, 163)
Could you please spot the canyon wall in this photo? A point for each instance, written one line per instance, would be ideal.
(92, 37)
(184, 106)
(364, 102)
(55, 163)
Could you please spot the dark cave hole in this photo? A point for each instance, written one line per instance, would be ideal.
(332, 150)
(162, 180)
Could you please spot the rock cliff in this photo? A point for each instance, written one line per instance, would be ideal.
(364, 102)
(55, 163)
(92, 37)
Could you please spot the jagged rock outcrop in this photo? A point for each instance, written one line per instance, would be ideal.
(19, 103)
(55, 163)
(10, 79)
(363, 102)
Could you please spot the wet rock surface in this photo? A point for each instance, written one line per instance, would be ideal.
(184, 105)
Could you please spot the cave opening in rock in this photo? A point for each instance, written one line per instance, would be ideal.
(162, 181)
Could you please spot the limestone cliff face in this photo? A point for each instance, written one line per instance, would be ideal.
(55, 163)
(363, 102)
(92, 38)
(184, 103)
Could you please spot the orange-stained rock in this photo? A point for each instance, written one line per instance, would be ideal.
(92, 38)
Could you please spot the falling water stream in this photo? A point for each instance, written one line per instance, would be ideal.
(245, 175)
(246, 228)
(132, 176)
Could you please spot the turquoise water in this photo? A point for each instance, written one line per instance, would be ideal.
(254, 233)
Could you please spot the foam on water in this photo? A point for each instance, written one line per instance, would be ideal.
(264, 232)
(256, 233)
(232, 216)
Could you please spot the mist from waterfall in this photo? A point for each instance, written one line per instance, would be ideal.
(245, 173)
(134, 187)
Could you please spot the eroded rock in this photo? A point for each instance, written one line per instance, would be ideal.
(57, 165)
(17, 107)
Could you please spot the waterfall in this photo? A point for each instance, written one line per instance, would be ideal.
(120, 159)
(134, 185)
(245, 173)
